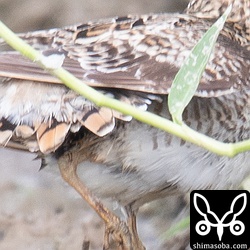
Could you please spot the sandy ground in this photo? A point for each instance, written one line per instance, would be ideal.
(37, 210)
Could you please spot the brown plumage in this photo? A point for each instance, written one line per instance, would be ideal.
(133, 59)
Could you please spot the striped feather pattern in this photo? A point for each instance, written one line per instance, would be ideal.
(133, 59)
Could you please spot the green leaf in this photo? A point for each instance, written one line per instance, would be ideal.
(81, 87)
(176, 228)
(188, 77)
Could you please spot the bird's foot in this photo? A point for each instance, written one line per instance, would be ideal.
(119, 231)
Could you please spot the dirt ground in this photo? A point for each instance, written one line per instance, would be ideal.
(37, 210)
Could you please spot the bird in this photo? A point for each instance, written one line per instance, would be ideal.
(104, 154)
(239, 22)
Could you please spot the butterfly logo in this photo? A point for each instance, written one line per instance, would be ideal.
(203, 227)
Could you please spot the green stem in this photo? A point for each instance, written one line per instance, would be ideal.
(99, 99)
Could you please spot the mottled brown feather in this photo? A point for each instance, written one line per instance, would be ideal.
(133, 59)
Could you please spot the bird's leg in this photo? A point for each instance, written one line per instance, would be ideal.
(113, 225)
(131, 222)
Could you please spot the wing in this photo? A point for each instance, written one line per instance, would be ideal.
(140, 53)
(133, 58)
